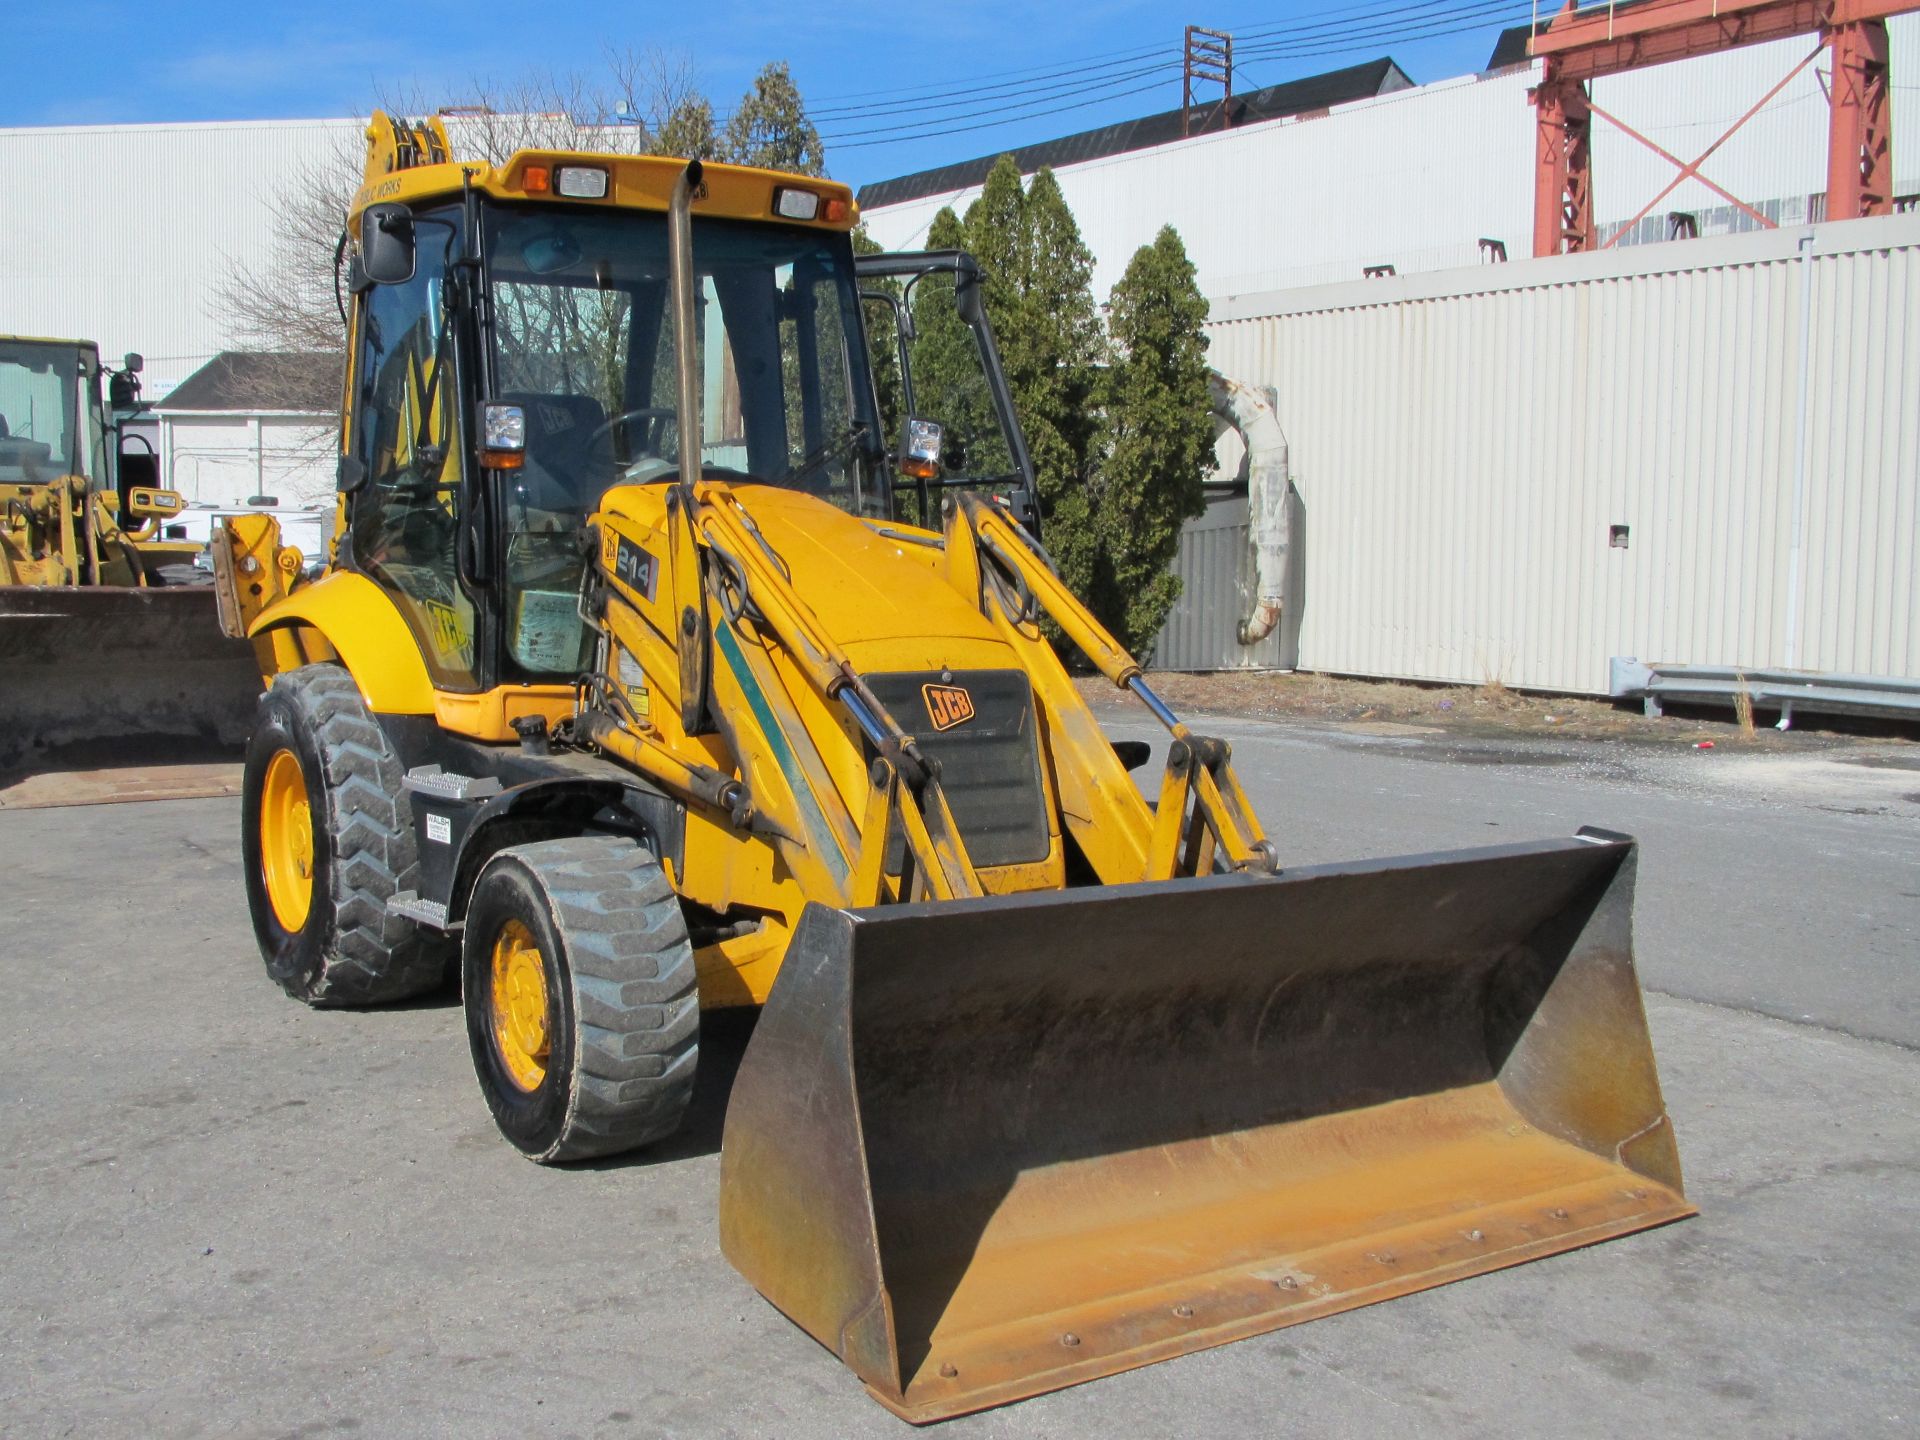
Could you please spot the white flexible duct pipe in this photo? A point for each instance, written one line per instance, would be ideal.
(1268, 481)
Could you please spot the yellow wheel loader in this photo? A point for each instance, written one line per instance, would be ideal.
(92, 649)
(629, 693)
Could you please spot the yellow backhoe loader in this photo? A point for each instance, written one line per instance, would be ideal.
(629, 692)
(91, 648)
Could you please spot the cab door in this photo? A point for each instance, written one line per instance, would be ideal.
(404, 508)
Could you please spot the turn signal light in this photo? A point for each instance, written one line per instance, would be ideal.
(536, 179)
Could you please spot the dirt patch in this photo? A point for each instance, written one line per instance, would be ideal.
(121, 785)
(1490, 711)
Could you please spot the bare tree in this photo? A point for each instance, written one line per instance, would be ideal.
(285, 299)
(641, 102)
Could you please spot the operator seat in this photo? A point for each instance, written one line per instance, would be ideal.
(566, 469)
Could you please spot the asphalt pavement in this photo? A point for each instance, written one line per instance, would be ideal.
(225, 1215)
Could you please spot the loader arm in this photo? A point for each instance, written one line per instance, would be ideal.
(1202, 806)
(753, 622)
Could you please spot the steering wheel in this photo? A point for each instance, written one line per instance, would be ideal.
(655, 415)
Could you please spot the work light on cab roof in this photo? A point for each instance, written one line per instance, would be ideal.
(792, 203)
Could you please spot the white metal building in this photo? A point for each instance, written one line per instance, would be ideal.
(1704, 453)
(1417, 177)
(129, 229)
(248, 424)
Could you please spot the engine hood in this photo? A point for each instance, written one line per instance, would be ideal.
(887, 602)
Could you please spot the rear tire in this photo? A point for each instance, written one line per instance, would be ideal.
(583, 1012)
(319, 873)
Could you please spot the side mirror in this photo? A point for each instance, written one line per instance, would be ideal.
(920, 452)
(968, 300)
(135, 362)
(386, 244)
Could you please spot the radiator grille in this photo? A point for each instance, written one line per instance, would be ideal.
(988, 753)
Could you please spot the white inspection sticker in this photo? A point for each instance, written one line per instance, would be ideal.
(548, 631)
(439, 829)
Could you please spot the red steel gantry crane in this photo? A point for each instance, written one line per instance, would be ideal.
(1579, 45)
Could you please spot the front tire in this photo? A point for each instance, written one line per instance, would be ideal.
(583, 1012)
(328, 838)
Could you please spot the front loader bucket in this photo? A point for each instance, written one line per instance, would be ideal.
(118, 669)
(990, 1148)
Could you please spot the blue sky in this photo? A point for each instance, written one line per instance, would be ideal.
(882, 67)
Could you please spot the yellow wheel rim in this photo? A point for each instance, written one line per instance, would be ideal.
(286, 841)
(519, 1004)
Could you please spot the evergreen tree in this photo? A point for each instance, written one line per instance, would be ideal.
(948, 382)
(1060, 347)
(997, 235)
(883, 350)
(1120, 428)
(687, 131)
(883, 354)
(1160, 440)
(770, 127)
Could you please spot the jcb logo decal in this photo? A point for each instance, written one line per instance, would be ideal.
(947, 705)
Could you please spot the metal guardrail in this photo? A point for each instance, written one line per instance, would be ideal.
(1896, 697)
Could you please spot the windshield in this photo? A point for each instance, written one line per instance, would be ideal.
(46, 394)
(583, 341)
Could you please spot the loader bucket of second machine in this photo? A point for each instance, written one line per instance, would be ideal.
(131, 672)
(990, 1148)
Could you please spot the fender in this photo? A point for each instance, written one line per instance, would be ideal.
(361, 622)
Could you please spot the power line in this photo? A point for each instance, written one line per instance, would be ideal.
(991, 124)
(1000, 74)
(1369, 15)
(1308, 52)
(1454, 20)
(1324, 23)
(944, 114)
(975, 91)
(917, 106)
(931, 113)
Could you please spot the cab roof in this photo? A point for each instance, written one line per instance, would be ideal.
(414, 164)
(50, 340)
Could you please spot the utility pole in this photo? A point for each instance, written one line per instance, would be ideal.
(1208, 60)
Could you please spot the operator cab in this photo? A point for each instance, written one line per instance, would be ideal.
(514, 357)
(577, 338)
(50, 417)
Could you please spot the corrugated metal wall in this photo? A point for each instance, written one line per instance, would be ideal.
(1463, 442)
(1217, 591)
(124, 233)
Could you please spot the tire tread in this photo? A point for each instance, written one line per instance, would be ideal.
(376, 957)
(636, 996)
